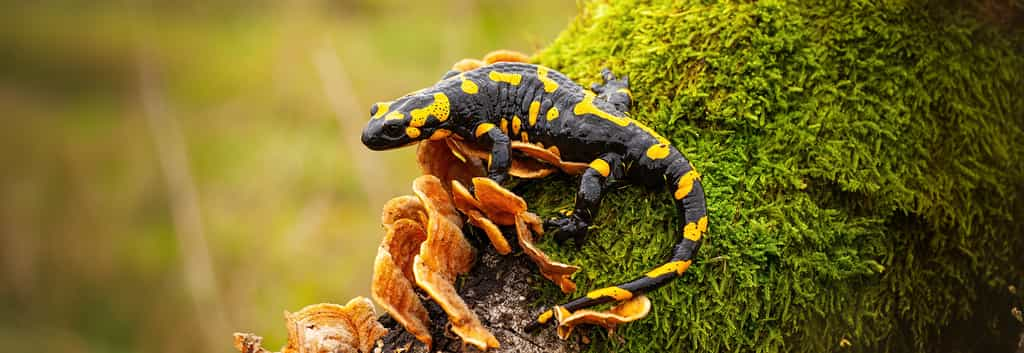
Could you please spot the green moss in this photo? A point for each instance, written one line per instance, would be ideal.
(861, 166)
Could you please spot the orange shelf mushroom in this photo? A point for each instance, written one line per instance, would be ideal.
(323, 328)
(494, 204)
(626, 311)
(393, 279)
(424, 245)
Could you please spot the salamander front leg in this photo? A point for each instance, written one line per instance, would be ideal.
(500, 160)
(588, 199)
(614, 90)
(568, 227)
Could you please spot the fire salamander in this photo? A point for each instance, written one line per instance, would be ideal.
(498, 103)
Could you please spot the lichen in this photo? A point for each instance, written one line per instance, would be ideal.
(860, 161)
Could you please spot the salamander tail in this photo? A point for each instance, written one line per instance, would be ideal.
(688, 193)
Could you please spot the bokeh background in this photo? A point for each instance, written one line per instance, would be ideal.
(175, 171)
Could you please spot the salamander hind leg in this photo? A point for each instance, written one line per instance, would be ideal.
(685, 184)
(614, 90)
(588, 199)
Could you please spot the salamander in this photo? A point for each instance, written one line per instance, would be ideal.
(508, 101)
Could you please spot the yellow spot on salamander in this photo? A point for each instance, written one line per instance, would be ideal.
(545, 316)
(686, 183)
(552, 114)
(483, 129)
(675, 266)
(439, 109)
(659, 151)
(690, 232)
(626, 92)
(469, 87)
(412, 132)
(504, 125)
(510, 78)
(695, 230)
(601, 167)
(382, 109)
(534, 110)
(394, 116)
(613, 292)
(440, 134)
(524, 137)
(516, 124)
(549, 84)
(586, 106)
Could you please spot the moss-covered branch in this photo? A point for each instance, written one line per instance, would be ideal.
(861, 162)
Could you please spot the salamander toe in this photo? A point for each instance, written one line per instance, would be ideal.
(568, 227)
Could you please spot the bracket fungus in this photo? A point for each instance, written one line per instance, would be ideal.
(324, 328)
(494, 204)
(626, 311)
(424, 245)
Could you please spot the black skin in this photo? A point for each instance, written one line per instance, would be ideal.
(585, 137)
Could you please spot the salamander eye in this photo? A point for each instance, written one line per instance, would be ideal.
(373, 109)
(394, 130)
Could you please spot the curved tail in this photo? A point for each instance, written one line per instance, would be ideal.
(684, 182)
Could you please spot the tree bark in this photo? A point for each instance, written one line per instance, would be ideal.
(501, 291)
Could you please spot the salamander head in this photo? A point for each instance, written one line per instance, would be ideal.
(404, 121)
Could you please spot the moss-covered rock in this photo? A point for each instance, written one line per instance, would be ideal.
(861, 166)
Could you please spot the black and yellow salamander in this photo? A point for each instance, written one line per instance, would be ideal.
(495, 104)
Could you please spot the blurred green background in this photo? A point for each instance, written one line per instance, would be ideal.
(175, 171)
